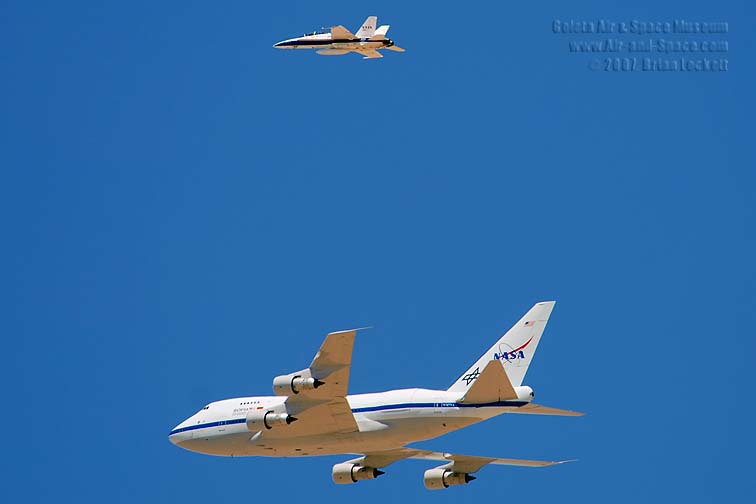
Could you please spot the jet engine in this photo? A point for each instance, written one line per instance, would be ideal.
(291, 384)
(440, 478)
(257, 420)
(348, 472)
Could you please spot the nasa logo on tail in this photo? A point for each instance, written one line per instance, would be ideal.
(508, 354)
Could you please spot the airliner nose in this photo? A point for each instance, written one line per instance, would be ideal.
(278, 45)
(173, 437)
(179, 434)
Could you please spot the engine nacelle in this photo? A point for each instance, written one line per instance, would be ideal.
(524, 393)
(286, 385)
(348, 472)
(257, 420)
(440, 478)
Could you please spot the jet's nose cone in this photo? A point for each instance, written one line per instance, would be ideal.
(278, 45)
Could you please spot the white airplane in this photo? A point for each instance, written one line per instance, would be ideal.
(338, 40)
(311, 413)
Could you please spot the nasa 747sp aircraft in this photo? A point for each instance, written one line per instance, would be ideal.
(338, 41)
(311, 413)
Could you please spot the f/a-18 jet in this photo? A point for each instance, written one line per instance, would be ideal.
(312, 414)
(337, 41)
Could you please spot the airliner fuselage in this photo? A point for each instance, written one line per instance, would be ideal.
(385, 420)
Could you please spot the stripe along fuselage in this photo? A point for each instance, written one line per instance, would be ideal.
(324, 41)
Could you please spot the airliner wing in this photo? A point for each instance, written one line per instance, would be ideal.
(341, 33)
(332, 416)
(328, 374)
(471, 463)
(455, 462)
(316, 396)
(332, 364)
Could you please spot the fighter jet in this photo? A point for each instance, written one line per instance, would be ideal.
(338, 41)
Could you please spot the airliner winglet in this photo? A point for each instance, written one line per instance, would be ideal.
(311, 412)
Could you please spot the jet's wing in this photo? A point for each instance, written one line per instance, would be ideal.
(332, 52)
(341, 33)
(369, 53)
(454, 462)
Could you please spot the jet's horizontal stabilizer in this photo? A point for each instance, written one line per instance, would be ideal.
(332, 52)
(537, 409)
(370, 54)
(492, 385)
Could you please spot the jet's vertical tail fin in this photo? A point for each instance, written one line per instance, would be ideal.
(381, 32)
(368, 27)
(515, 350)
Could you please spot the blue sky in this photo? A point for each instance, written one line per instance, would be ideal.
(187, 212)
